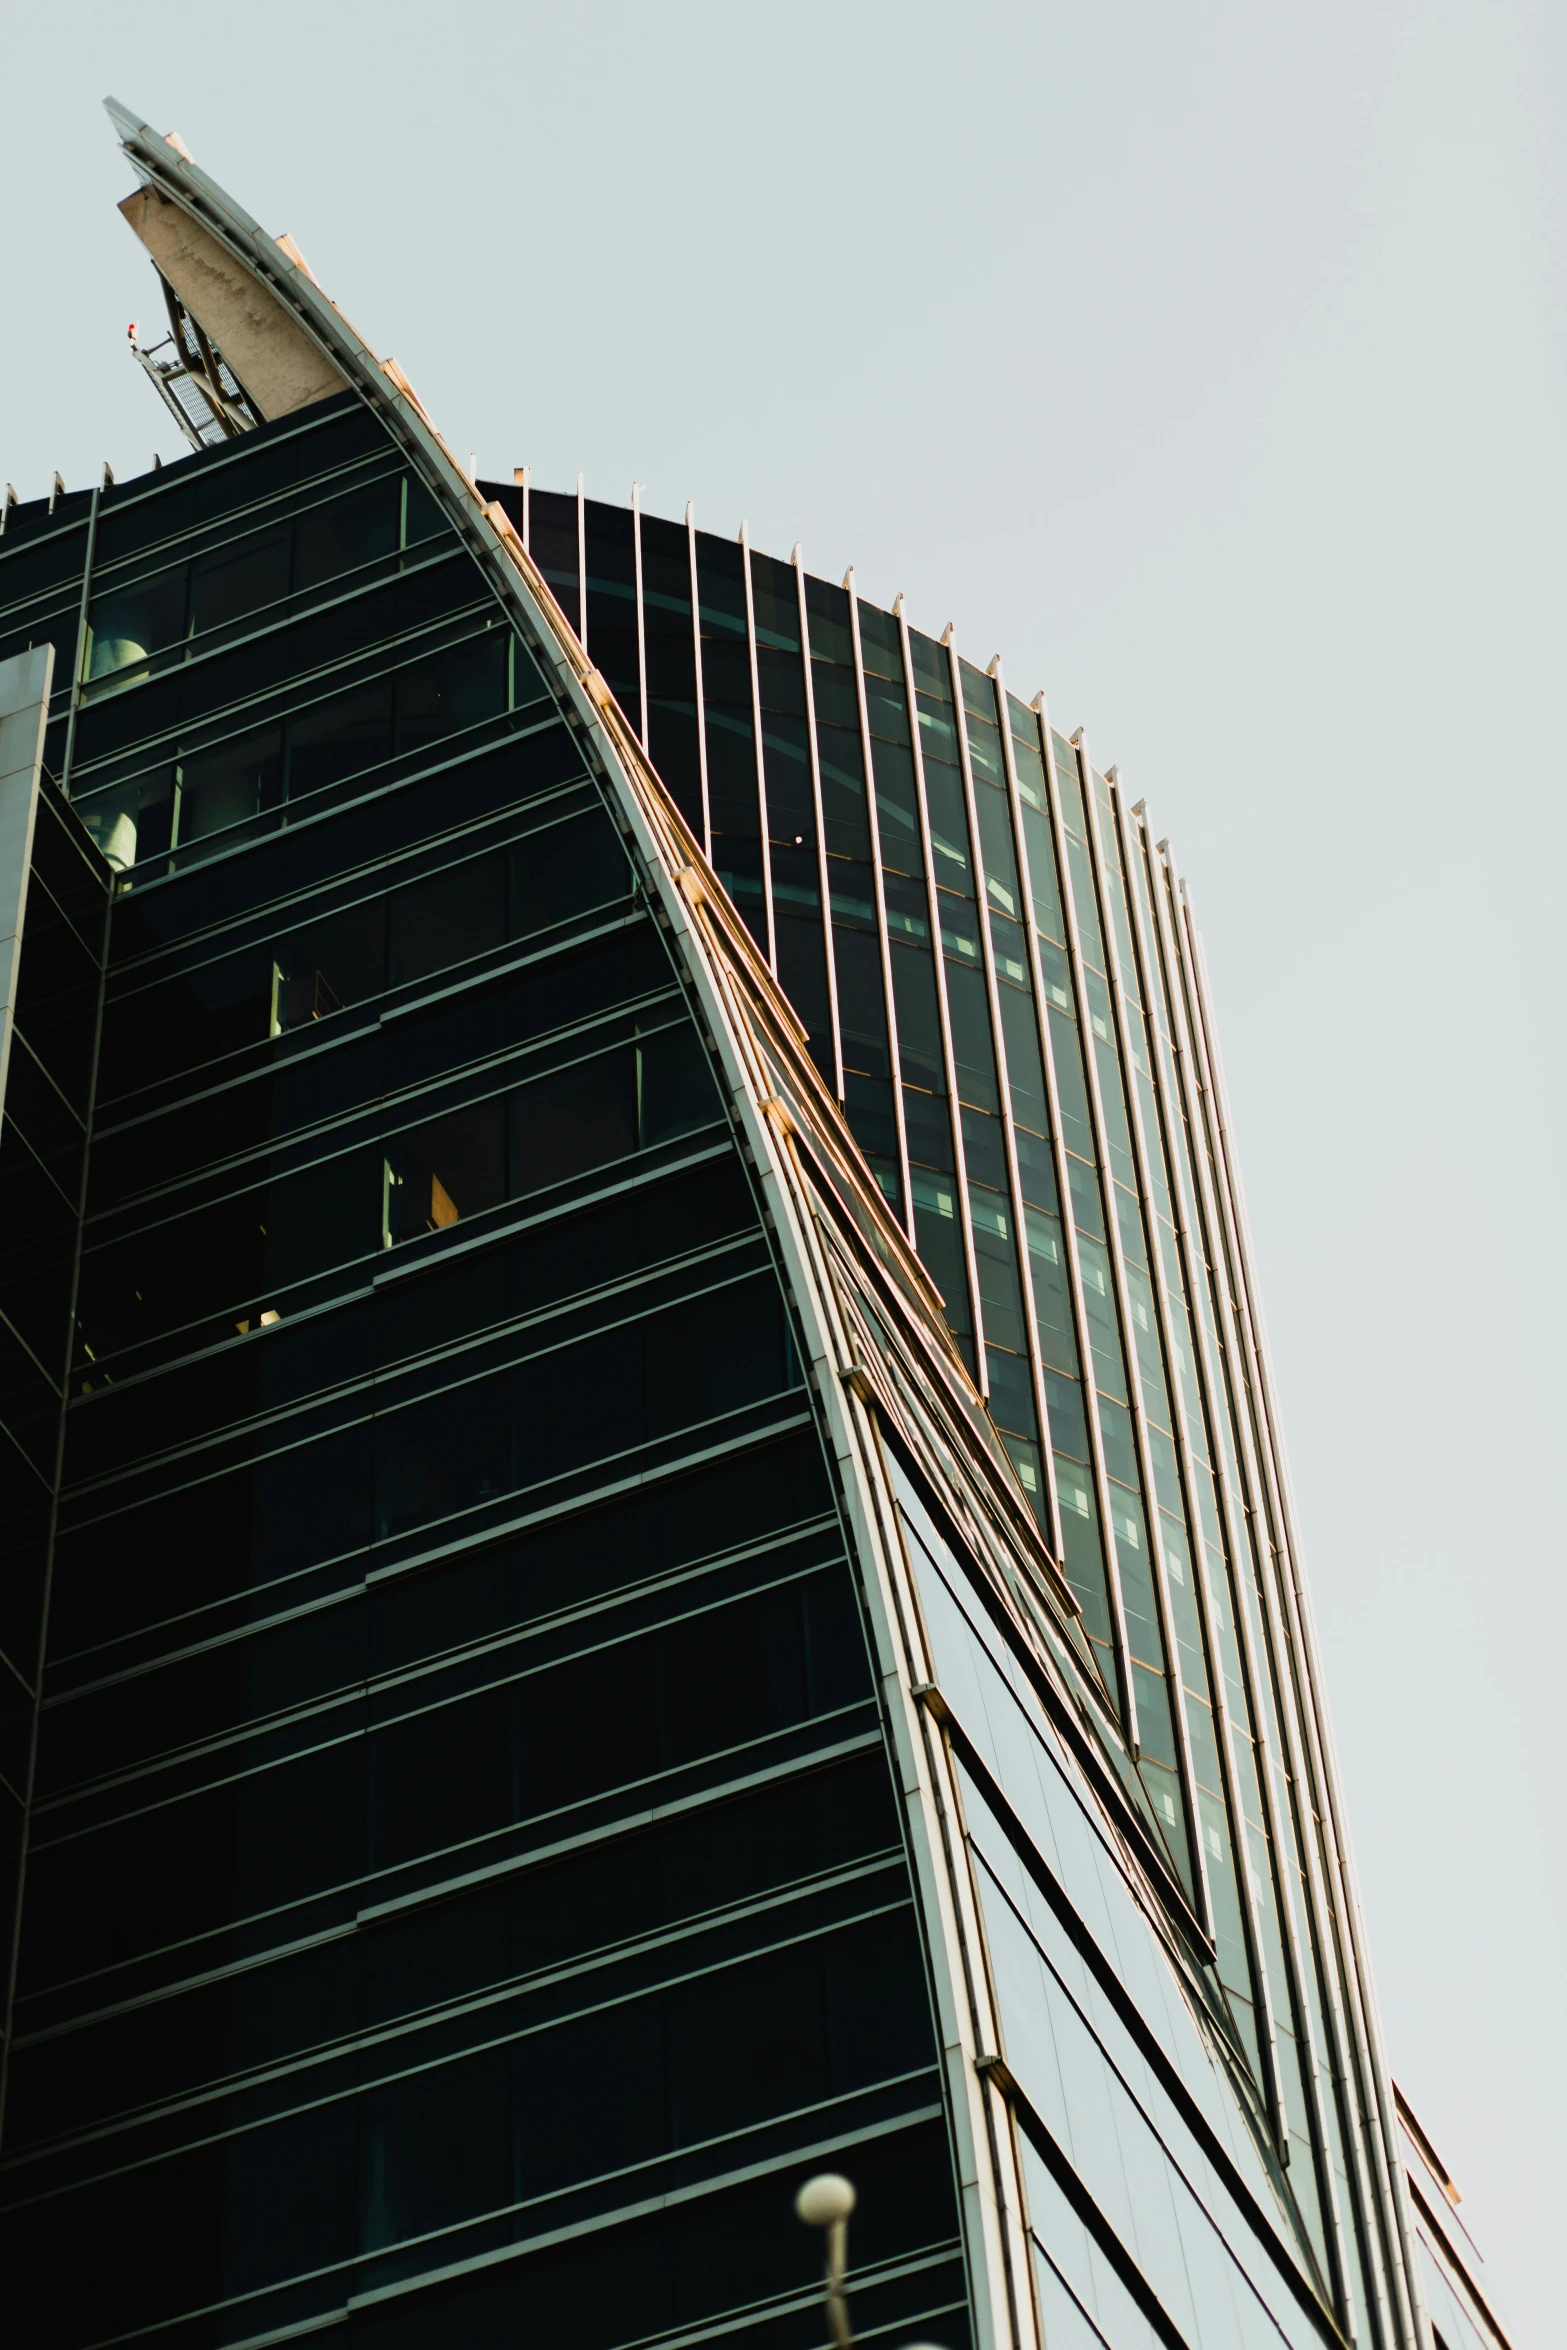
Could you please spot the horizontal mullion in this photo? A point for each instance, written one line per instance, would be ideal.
(355, 473)
(16, 2168)
(371, 1031)
(400, 1388)
(808, 2156)
(324, 1913)
(438, 2037)
(378, 880)
(447, 1087)
(325, 807)
(669, 2186)
(283, 699)
(355, 1593)
(356, 1279)
(435, 1882)
(454, 1674)
(445, 1889)
(186, 653)
(603, 1477)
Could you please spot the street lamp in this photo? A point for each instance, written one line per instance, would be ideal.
(826, 2202)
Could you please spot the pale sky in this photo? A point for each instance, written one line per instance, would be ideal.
(1208, 363)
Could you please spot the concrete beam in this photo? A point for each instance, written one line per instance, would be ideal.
(274, 358)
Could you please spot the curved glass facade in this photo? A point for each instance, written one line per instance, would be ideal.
(652, 1548)
(997, 970)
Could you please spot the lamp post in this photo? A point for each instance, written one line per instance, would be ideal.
(826, 2202)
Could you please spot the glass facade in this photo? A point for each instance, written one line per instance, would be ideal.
(652, 1544)
(459, 1822)
(1039, 1109)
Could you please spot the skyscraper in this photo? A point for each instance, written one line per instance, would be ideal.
(648, 1543)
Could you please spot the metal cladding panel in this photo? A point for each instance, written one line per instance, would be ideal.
(25, 680)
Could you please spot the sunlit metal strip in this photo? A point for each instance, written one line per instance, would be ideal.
(1262, 1660)
(1118, 1631)
(944, 1017)
(1117, 1254)
(978, 1980)
(1286, 1849)
(1371, 2064)
(1152, 986)
(1185, 1171)
(1052, 1107)
(582, 567)
(1169, 1113)
(998, 1042)
(1144, 952)
(962, 2071)
(850, 1431)
(696, 670)
(883, 933)
(1185, 1766)
(1348, 1966)
(821, 823)
(1061, 1164)
(967, 2013)
(1376, 2174)
(761, 756)
(636, 556)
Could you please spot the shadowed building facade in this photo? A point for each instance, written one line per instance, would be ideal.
(648, 1544)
